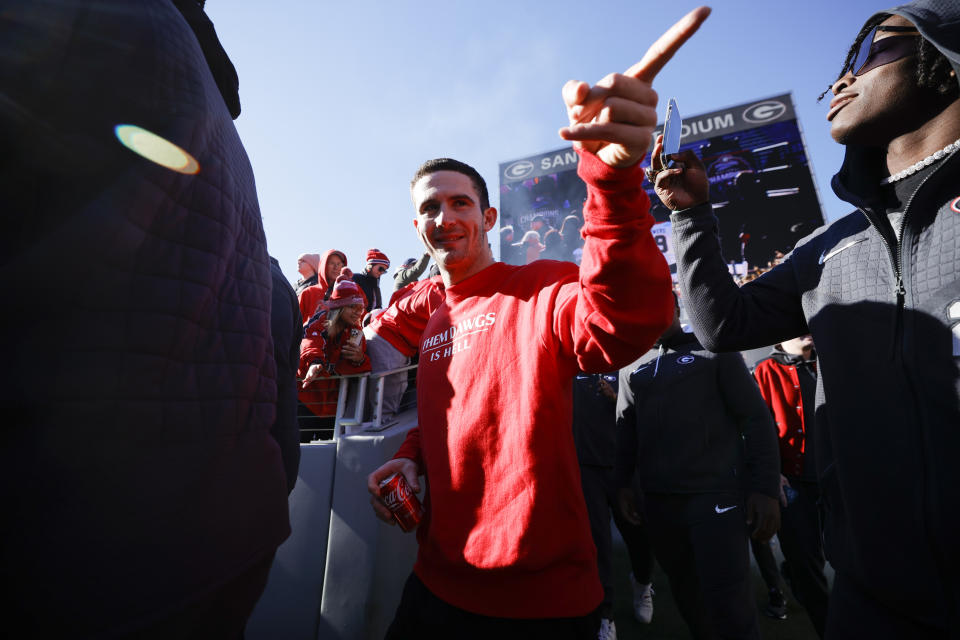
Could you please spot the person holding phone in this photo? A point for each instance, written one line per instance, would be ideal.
(879, 292)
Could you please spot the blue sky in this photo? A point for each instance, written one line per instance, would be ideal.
(342, 101)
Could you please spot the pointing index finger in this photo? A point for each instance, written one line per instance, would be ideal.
(666, 45)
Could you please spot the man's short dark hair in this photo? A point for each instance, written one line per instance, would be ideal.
(449, 164)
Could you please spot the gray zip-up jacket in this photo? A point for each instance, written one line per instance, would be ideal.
(885, 316)
(691, 421)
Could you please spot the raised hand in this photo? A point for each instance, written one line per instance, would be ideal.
(615, 118)
(682, 186)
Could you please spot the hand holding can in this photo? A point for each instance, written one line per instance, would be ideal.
(407, 470)
(402, 502)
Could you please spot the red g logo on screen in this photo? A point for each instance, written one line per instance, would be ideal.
(764, 111)
(955, 205)
(518, 170)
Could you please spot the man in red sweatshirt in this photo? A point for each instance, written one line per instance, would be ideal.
(505, 545)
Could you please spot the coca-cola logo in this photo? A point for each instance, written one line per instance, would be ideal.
(397, 496)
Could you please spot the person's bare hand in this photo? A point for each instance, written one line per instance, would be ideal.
(627, 503)
(685, 184)
(410, 471)
(313, 373)
(351, 352)
(763, 516)
(616, 117)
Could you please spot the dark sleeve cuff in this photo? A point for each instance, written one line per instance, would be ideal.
(692, 212)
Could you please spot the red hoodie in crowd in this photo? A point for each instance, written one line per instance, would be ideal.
(312, 296)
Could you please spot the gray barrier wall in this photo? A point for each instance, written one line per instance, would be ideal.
(340, 573)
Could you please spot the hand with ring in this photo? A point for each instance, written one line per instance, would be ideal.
(682, 186)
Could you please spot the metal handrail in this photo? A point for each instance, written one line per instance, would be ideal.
(378, 424)
(342, 424)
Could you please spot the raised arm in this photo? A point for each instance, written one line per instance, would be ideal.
(622, 302)
(725, 317)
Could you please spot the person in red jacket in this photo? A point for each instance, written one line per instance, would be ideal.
(333, 345)
(504, 546)
(310, 298)
(788, 381)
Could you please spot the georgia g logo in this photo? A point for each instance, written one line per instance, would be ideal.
(685, 359)
(955, 205)
(518, 170)
(764, 111)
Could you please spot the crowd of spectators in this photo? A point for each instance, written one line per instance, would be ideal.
(340, 323)
(543, 242)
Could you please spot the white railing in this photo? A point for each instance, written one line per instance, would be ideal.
(351, 404)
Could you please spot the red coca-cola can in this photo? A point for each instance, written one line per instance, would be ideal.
(402, 502)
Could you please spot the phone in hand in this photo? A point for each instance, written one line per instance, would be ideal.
(672, 126)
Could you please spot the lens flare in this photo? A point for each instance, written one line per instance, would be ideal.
(156, 149)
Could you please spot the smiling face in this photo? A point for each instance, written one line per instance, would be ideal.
(452, 225)
(873, 108)
(352, 314)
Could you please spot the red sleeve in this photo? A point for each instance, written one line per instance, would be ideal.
(411, 448)
(403, 322)
(402, 292)
(308, 299)
(623, 301)
(312, 347)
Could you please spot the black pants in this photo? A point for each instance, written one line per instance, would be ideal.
(801, 539)
(600, 495)
(700, 540)
(423, 615)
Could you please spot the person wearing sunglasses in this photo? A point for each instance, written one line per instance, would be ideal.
(369, 280)
(879, 291)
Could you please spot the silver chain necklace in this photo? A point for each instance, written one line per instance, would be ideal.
(926, 162)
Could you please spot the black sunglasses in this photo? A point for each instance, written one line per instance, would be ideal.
(872, 54)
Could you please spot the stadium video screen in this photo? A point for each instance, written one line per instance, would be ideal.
(761, 189)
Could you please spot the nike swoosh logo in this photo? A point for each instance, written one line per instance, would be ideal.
(826, 256)
(720, 509)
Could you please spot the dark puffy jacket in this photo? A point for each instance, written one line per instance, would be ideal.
(286, 326)
(371, 289)
(136, 462)
(885, 316)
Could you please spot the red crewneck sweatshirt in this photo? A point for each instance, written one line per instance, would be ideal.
(506, 531)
